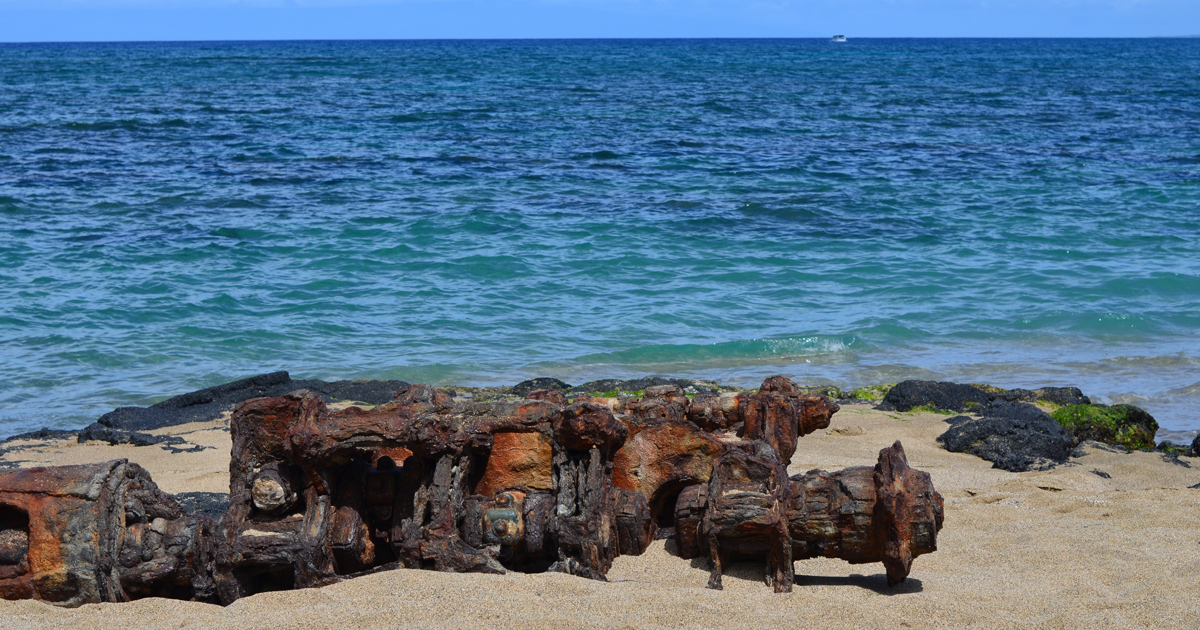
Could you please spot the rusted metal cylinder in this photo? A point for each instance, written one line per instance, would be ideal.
(92, 533)
(887, 513)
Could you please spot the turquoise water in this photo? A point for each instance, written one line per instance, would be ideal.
(1017, 212)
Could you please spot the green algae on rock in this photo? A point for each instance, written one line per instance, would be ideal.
(872, 392)
(1126, 425)
(937, 410)
(832, 392)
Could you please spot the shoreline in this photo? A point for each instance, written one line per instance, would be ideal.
(143, 425)
(1163, 380)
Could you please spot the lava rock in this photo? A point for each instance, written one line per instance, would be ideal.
(602, 385)
(44, 433)
(100, 433)
(1173, 449)
(367, 391)
(1196, 446)
(523, 388)
(1063, 395)
(1126, 425)
(1060, 396)
(687, 385)
(227, 392)
(948, 396)
(1171, 458)
(1017, 437)
(832, 392)
(208, 404)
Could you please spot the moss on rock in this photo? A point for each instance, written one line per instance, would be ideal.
(872, 392)
(1176, 450)
(1126, 425)
(991, 389)
(931, 409)
(831, 392)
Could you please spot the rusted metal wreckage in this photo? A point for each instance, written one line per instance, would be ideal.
(543, 484)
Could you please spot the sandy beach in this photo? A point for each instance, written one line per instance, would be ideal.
(1064, 548)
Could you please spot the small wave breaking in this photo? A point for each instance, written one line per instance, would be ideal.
(776, 350)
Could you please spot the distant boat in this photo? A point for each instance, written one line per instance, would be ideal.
(839, 38)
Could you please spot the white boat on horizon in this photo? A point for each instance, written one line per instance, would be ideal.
(839, 38)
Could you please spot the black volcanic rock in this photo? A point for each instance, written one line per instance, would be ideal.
(1013, 436)
(958, 397)
(948, 396)
(370, 392)
(640, 384)
(100, 433)
(524, 387)
(1061, 396)
(208, 404)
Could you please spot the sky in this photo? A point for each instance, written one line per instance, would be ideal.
(164, 20)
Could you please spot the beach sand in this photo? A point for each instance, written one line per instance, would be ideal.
(1065, 548)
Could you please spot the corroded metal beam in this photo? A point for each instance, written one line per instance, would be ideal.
(542, 484)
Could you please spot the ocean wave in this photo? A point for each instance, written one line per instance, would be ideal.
(779, 350)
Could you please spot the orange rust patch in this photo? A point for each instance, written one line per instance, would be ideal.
(673, 451)
(518, 460)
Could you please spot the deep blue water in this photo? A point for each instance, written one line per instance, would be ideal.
(1017, 212)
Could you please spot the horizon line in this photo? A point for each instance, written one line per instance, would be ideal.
(543, 39)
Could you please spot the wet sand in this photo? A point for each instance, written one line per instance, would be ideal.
(1065, 548)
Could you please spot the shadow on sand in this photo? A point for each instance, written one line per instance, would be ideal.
(756, 572)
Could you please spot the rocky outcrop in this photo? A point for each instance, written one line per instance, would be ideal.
(612, 385)
(1056, 396)
(946, 396)
(209, 404)
(524, 388)
(1124, 425)
(1014, 436)
(941, 396)
(99, 433)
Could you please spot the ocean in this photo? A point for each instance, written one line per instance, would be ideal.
(1013, 212)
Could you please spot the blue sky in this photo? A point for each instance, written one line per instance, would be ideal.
(128, 20)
